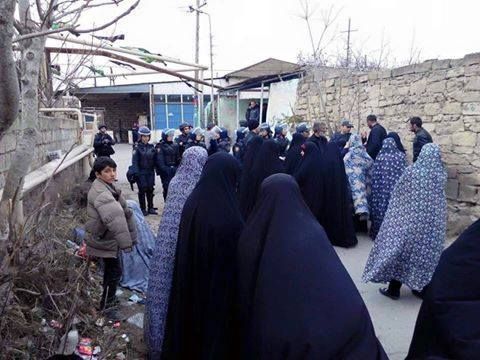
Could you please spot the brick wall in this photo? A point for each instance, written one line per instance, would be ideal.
(120, 110)
(54, 134)
(444, 93)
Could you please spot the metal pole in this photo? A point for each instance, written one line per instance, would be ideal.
(212, 94)
(197, 58)
(238, 106)
(348, 43)
(261, 105)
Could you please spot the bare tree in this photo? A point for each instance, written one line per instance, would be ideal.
(36, 20)
(9, 91)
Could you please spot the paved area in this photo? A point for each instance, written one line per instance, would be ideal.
(394, 321)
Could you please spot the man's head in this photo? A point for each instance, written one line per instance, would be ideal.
(105, 169)
(253, 126)
(102, 128)
(243, 123)
(371, 120)
(303, 129)
(415, 123)
(253, 103)
(319, 129)
(185, 128)
(145, 134)
(264, 130)
(199, 133)
(216, 131)
(281, 129)
(210, 126)
(346, 126)
(168, 135)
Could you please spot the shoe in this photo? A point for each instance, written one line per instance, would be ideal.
(144, 212)
(152, 211)
(385, 292)
(418, 294)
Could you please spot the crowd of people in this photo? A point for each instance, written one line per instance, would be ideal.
(243, 264)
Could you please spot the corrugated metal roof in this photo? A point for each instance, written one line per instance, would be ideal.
(266, 67)
(119, 89)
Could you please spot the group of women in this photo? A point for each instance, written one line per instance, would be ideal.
(244, 267)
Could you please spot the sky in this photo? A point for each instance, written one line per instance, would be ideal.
(248, 31)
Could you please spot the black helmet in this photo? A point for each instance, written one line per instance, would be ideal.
(279, 128)
(223, 133)
(102, 126)
(183, 126)
(303, 127)
(144, 131)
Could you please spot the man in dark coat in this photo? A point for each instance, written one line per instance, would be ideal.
(375, 138)
(318, 137)
(253, 112)
(281, 131)
(168, 159)
(103, 142)
(303, 129)
(182, 139)
(254, 129)
(196, 138)
(143, 163)
(422, 137)
(239, 148)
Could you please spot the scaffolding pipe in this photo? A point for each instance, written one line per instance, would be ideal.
(98, 45)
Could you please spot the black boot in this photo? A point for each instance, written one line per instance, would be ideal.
(151, 208)
(393, 291)
(141, 201)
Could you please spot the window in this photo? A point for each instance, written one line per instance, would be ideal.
(159, 98)
(206, 99)
(174, 98)
(188, 99)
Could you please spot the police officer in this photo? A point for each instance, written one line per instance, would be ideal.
(224, 143)
(265, 131)
(168, 159)
(196, 138)
(281, 131)
(182, 139)
(143, 164)
(304, 130)
(239, 147)
(102, 144)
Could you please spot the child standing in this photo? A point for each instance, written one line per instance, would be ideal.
(110, 227)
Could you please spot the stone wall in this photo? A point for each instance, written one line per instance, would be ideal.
(54, 134)
(444, 93)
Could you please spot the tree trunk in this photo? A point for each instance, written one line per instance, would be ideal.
(32, 53)
(9, 90)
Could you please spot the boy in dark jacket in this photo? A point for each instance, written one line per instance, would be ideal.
(110, 228)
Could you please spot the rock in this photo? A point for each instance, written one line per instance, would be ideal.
(464, 139)
(455, 72)
(404, 70)
(473, 84)
(467, 193)
(424, 66)
(440, 64)
(136, 320)
(469, 179)
(451, 189)
(452, 108)
(438, 86)
(472, 108)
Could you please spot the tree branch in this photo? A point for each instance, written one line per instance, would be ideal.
(43, 33)
(104, 26)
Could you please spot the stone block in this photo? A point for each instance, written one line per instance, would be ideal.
(469, 179)
(438, 86)
(471, 108)
(440, 64)
(418, 87)
(471, 59)
(445, 140)
(467, 193)
(473, 84)
(430, 127)
(455, 72)
(363, 78)
(452, 172)
(404, 70)
(372, 75)
(452, 108)
(435, 76)
(466, 169)
(423, 67)
(463, 150)
(472, 70)
(465, 96)
(454, 159)
(330, 83)
(465, 138)
(472, 123)
(451, 189)
(385, 74)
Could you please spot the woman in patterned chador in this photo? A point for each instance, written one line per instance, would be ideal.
(410, 241)
(387, 169)
(162, 263)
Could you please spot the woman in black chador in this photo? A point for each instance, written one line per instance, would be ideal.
(200, 320)
(294, 154)
(266, 162)
(295, 298)
(448, 325)
(323, 182)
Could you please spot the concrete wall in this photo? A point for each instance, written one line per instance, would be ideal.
(444, 93)
(54, 134)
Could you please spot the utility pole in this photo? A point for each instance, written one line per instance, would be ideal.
(197, 59)
(349, 31)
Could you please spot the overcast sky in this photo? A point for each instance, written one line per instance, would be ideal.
(248, 31)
